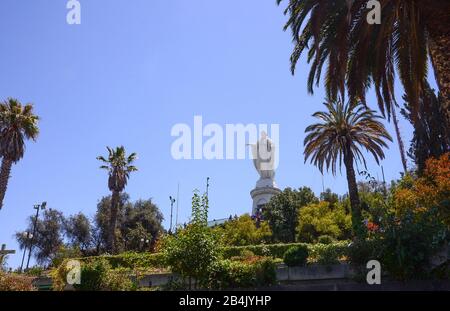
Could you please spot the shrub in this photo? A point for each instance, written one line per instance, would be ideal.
(35, 271)
(15, 282)
(323, 218)
(409, 244)
(191, 252)
(243, 231)
(362, 251)
(226, 274)
(95, 275)
(325, 239)
(316, 251)
(296, 256)
(329, 255)
(129, 260)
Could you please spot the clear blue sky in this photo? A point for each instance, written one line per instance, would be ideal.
(131, 71)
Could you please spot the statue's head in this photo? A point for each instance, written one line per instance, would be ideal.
(263, 135)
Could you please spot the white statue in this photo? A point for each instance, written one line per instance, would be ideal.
(264, 157)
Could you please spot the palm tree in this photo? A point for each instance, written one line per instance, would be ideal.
(119, 167)
(359, 55)
(344, 130)
(17, 123)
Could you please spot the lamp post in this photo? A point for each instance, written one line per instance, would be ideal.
(143, 243)
(37, 207)
(27, 235)
(172, 200)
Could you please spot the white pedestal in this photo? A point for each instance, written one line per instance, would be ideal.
(265, 189)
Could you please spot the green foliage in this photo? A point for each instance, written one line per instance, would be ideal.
(135, 221)
(35, 271)
(243, 231)
(226, 274)
(47, 239)
(199, 209)
(323, 218)
(193, 250)
(78, 231)
(316, 251)
(130, 260)
(296, 256)
(325, 239)
(410, 242)
(360, 252)
(282, 212)
(96, 275)
(93, 275)
(431, 136)
(65, 252)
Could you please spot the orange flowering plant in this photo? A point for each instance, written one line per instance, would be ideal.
(427, 191)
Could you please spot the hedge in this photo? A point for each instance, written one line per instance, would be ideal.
(226, 274)
(130, 260)
(322, 253)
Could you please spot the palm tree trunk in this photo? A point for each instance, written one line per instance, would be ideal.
(4, 177)
(401, 146)
(115, 198)
(353, 192)
(439, 41)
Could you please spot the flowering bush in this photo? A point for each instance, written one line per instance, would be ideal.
(428, 191)
(15, 282)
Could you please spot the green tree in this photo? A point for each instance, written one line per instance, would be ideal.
(329, 197)
(243, 231)
(135, 221)
(282, 211)
(431, 137)
(192, 251)
(142, 220)
(48, 238)
(344, 130)
(359, 54)
(119, 167)
(102, 221)
(17, 123)
(78, 230)
(323, 218)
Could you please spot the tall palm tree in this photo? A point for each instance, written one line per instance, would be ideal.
(17, 123)
(119, 167)
(359, 55)
(344, 130)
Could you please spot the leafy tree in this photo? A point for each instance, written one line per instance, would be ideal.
(432, 190)
(431, 137)
(192, 251)
(243, 231)
(119, 167)
(78, 231)
(142, 220)
(410, 241)
(329, 197)
(135, 221)
(344, 130)
(359, 55)
(17, 123)
(102, 221)
(323, 218)
(282, 211)
(48, 238)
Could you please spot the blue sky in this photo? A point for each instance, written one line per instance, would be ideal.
(132, 70)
